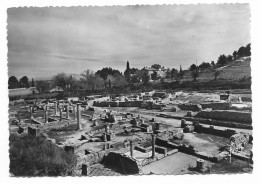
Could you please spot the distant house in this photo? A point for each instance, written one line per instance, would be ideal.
(56, 89)
(161, 72)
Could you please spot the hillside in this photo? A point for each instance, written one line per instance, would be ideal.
(236, 70)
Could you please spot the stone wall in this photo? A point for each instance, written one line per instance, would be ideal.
(216, 106)
(235, 116)
(122, 164)
(92, 158)
(211, 130)
(190, 107)
(118, 104)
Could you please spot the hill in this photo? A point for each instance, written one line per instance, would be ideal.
(235, 70)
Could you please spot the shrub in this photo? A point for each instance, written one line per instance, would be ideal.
(34, 156)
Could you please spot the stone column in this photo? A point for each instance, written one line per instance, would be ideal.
(67, 111)
(107, 128)
(104, 137)
(55, 108)
(153, 145)
(60, 114)
(131, 149)
(74, 111)
(46, 114)
(31, 111)
(79, 125)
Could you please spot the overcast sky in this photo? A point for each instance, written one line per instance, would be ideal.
(45, 41)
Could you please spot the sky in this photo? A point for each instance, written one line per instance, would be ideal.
(43, 42)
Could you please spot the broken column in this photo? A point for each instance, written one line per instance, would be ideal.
(85, 170)
(79, 125)
(153, 145)
(183, 123)
(95, 123)
(104, 137)
(200, 164)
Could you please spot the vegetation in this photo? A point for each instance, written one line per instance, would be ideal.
(22, 83)
(33, 156)
(216, 74)
(43, 86)
(111, 80)
(103, 73)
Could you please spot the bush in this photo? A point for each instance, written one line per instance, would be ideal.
(34, 156)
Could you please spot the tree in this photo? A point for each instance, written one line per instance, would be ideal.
(92, 81)
(109, 83)
(193, 67)
(97, 83)
(24, 82)
(154, 75)
(179, 75)
(229, 58)
(222, 60)
(43, 86)
(120, 81)
(135, 78)
(242, 51)
(248, 50)
(145, 78)
(216, 74)
(174, 73)
(235, 55)
(104, 72)
(204, 65)
(12, 82)
(213, 63)
(62, 80)
(195, 74)
(127, 72)
(156, 66)
(32, 85)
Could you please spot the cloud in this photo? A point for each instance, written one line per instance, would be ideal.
(78, 38)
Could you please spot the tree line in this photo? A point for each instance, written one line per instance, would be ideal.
(108, 78)
(13, 82)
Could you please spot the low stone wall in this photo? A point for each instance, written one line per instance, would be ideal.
(211, 130)
(118, 104)
(246, 99)
(92, 158)
(167, 144)
(131, 104)
(216, 106)
(235, 116)
(122, 164)
(190, 107)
